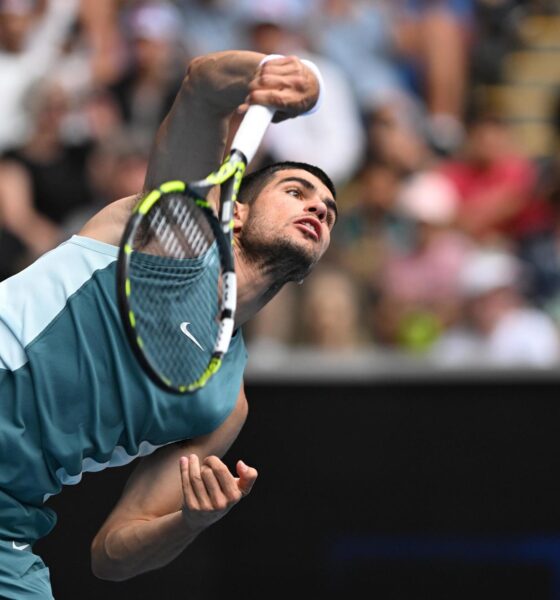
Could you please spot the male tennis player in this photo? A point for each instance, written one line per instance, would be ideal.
(74, 399)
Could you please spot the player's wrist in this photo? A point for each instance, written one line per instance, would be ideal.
(314, 69)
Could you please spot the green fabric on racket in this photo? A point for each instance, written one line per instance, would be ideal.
(176, 283)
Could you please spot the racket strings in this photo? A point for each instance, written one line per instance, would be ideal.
(176, 277)
(175, 232)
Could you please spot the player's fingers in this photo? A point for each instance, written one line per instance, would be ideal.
(285, 102)
(273, 81)
(243, 108)
(285, 65)
(247, 477)
(217, 497)
(197, 483)
(225, 479)
(189, 497)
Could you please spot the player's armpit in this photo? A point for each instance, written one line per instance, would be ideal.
(146, 529)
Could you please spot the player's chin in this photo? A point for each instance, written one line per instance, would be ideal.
(292, 260)
(309, 250)
(311, 244)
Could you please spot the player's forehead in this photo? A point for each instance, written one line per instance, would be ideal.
(301, 176)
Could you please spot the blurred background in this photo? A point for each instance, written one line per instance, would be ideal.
(439, 296)
(440, 128)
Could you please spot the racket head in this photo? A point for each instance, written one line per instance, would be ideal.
(176, 287)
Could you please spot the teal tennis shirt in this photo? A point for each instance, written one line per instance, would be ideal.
(72, 396)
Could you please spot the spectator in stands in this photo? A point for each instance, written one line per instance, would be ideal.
(433, 37)
(32, 36)
(367, 224)
(496, 32)
(94, 54)
(397, 136)
(102, 40)
(332, 138)
(541, 250)
(117, 169)
(500, 329)
(331, 318)
(41, 184)
(361, 38)
(418, 286)
(494, 179)
(212, 25)
(272, 334)
(158, 63)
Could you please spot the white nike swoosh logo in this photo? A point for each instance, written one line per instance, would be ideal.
(184, 329)
(19, 546)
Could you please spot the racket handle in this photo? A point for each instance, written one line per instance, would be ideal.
(251, 130)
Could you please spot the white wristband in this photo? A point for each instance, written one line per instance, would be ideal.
(314, 69)
(270, 57)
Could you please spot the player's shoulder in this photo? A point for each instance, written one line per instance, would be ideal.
(108, 224)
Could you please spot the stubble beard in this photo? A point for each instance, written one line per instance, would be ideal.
(281, 260)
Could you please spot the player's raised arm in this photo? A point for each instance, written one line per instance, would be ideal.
(191, 140)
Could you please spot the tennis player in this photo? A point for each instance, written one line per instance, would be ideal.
(74, 398)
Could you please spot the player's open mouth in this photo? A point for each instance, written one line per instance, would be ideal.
(311, 227)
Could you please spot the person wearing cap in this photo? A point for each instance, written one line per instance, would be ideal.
(418, 282)
(499, 328)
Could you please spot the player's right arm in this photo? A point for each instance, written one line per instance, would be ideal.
(192, 139)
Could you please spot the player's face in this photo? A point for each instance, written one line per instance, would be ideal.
(292, 216)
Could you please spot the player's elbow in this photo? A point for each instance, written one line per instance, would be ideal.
(103, 565)
(200, 77)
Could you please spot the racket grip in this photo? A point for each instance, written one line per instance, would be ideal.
(251, 130)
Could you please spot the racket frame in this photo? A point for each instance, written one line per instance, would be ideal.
(229, 176)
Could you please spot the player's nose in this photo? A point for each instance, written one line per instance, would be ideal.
(318, 209)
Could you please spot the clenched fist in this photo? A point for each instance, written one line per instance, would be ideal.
(286, 84)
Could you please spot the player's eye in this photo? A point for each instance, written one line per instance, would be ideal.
(295, 192)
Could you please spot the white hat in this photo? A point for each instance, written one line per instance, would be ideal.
(429, 197)
(156, 22)
(488, 270)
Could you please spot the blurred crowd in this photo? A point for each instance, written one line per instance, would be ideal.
(447, 245)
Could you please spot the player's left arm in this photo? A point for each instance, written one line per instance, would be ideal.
(168, 502)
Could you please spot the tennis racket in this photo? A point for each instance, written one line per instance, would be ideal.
(176, 283)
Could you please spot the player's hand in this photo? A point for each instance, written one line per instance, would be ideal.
(210, 490)
(285, 84)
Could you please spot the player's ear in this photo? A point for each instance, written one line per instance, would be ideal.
(240, 211)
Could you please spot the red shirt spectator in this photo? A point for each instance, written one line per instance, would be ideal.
(495, 183)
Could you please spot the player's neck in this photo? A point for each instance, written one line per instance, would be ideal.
(255, 288)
